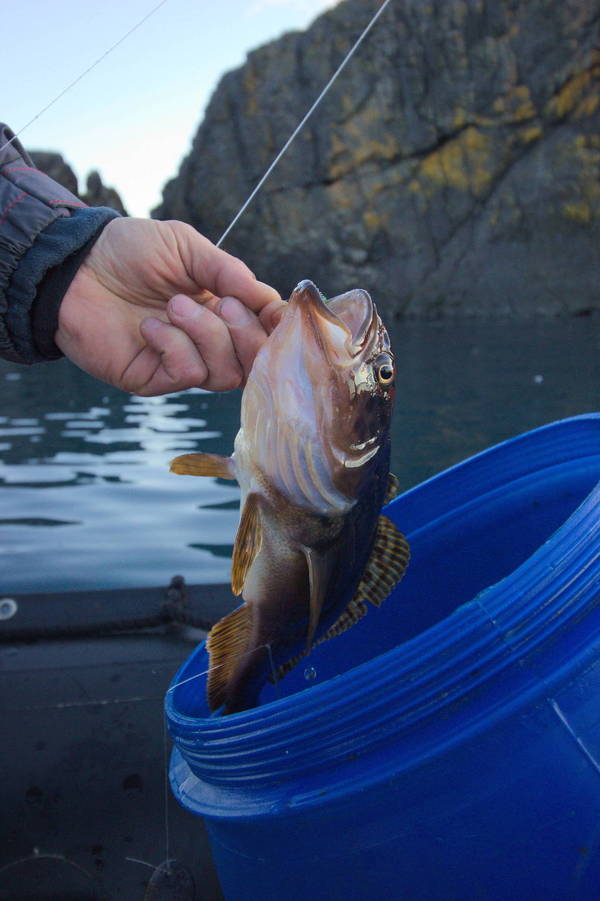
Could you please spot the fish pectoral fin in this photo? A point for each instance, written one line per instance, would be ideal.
(386, 564)
(203, 465)
(227, 642)
(393, 488)
(319, 571)
(248, 542)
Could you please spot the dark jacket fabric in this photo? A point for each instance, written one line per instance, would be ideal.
(45, 234)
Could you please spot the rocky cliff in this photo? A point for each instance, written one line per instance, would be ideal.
(453, 169)
(96, 193)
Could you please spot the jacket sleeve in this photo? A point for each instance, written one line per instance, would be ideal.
(45, 234)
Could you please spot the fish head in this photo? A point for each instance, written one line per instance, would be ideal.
(326, 377)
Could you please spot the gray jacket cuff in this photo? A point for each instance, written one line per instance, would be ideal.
(30, 203)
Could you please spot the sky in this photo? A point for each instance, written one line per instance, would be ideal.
(133, 116)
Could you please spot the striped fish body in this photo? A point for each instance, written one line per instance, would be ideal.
(312, 461)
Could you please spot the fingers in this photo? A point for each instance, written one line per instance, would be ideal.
(211, 346)
(270, 315)
(169, 362)
(196, 350)
(247, 333)
(219, 272)
(212, 340)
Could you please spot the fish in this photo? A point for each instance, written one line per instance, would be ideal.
(312, 460)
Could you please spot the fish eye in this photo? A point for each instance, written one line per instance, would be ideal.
(384, 370)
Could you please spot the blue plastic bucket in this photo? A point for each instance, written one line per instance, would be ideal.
(447, 746)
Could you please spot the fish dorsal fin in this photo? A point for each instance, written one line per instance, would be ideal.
(227, 641)
(385, 567)
(393, 488)
(248, 542)
(203, 465)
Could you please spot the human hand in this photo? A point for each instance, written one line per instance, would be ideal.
(153, 309)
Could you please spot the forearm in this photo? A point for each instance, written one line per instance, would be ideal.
(45, 233)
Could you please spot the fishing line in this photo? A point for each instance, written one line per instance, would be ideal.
(299, 127)
(133, 699)
(86, 71)
(145, 863)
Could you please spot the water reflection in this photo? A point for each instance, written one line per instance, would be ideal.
(87, 499)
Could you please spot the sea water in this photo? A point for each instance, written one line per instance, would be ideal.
(87, 499)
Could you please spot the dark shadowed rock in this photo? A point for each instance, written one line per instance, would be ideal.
(453, 169)
(97, 194)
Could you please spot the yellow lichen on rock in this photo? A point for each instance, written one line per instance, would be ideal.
(530, 134)
(250, 90)
(463, 163)
(583, 206)
(587, 106)
(514, 106)
(460, 118)
(578, 210)
(342, 194)
(522, 104)
(570, 100)
(373, 220)
(358, 153)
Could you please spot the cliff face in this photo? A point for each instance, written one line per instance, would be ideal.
(453, 169)
(96, 194)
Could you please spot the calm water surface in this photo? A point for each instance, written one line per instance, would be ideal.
(87, 501)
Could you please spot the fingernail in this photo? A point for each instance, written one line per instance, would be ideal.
(184, 306)
(234, 312)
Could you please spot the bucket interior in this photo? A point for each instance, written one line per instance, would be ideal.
(454, 557)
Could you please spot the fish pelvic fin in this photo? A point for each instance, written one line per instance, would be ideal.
(227, 642)
(393, 488)
(353, 612)
(319, 571)
(248, 542)
(386, 566)
(203, 465)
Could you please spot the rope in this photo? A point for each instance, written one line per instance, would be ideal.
(174, 609)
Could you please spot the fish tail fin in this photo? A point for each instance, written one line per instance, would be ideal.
(227, 642)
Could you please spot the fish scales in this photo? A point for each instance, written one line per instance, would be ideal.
(312, 460)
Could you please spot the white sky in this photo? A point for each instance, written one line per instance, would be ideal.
(134, 115)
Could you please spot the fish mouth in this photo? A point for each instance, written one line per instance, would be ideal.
(341, 326)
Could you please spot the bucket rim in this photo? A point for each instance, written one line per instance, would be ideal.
(446, 668)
